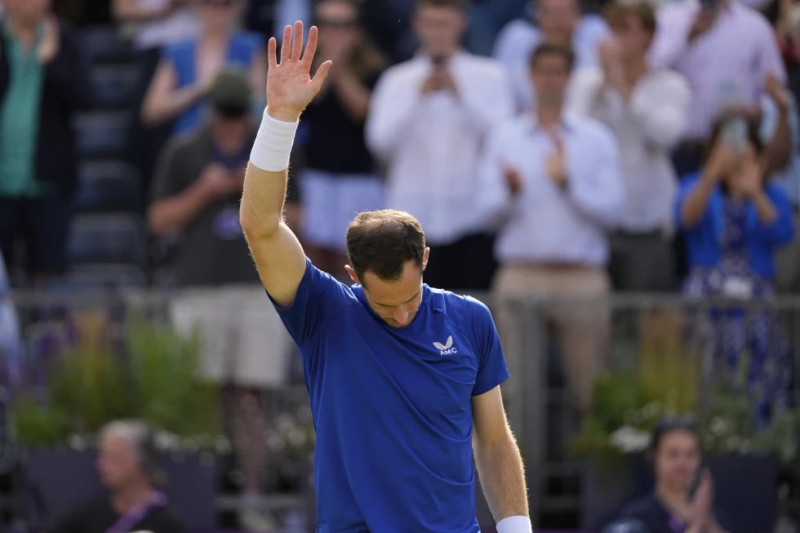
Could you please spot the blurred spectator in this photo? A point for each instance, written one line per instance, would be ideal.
(725, 50)
(129, 468)
(487, 18)
(683, 499)
(340, 179)
(646, 109)
(554, 180)
(11, 349)
(554, 21)
(196, 194)
(734, 220)
(42, 82)
(157, 22)
(428, 119)
(187, 69)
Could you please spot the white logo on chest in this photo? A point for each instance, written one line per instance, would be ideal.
(446, 348)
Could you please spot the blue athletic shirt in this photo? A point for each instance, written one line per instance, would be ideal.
(392, 406)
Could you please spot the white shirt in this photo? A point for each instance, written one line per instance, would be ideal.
(431, 142)
(647, 127)
(544, 223)
(519, 38)
(727, 65)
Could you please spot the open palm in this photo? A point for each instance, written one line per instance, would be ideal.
(290, 86)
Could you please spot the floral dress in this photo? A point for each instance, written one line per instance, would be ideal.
(754, 331)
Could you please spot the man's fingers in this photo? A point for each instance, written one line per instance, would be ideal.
(322, 73)
(272, 48)
(297, 42)
(311, 46)
(286, 45)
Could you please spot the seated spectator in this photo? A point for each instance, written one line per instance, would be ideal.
(734, 220)
(186, 70)
(683, 500)
(726, 51)
(43, 80)
(129, 470)
(646, 109)
(196, 195)
(553, 180)
(340, 178)
(554, 21)
(427, 121)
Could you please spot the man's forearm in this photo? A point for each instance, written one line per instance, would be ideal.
(503, 479)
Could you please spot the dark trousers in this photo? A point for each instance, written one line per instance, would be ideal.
(467, 264)
(42, 224)
(641, 262)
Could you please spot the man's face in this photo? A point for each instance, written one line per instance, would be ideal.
(118, 462)
(550, 75)
(558, 19)
(633, 40)
(398, 301)
(27, 11)
(440, 29)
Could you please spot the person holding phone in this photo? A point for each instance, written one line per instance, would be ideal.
(733, 220)
(683, 499)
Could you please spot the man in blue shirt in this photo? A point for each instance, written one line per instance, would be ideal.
(404, 379)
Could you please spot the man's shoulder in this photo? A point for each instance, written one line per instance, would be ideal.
(518, 32)
(397, 73)
(484, 66)
(462, 305)
(162, 520)
(590, 128)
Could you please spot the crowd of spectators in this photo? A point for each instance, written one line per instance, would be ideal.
(549, 149)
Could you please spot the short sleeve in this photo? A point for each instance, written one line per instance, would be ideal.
(492, 370)
(316, 291)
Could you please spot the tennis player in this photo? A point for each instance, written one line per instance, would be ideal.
(403, 378)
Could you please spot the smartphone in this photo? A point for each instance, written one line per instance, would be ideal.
(734, 133)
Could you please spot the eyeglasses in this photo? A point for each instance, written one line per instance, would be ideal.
(337, 24)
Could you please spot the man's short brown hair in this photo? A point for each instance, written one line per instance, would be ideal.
(554, 49)
(617, 11)
(461, 5)
(382, 242)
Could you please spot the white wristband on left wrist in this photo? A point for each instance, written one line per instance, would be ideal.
(515, 524)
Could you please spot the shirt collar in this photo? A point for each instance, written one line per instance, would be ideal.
(566, 122)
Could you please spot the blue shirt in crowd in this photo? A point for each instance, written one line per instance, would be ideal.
(183, 56)
(392, 406)
(703, 241)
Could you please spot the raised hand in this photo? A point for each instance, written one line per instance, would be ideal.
(778, 92)
(290, 87)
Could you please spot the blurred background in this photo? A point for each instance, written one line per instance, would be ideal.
(618, 180)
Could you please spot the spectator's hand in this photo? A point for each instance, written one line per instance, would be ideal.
(440, 79)
(219, 182)
(703, 22)
(701, 513)
(290, 87)
(778, 92)
(723, 159)
(749, 177)
(556, 162)
(513, 178)
(51, 41)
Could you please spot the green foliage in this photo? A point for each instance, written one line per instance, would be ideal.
(153, 376)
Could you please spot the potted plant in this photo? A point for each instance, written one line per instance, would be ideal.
(109, 371)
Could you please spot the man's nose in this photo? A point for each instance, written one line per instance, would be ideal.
(401, 315)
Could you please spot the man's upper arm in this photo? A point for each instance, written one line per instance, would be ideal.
(277, 252)
(489, 418)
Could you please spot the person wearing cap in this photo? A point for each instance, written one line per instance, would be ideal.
(196, 193)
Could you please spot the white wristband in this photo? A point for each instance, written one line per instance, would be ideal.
(273, 144)
(515, 524)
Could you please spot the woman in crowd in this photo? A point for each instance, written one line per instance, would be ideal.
(682, 501)
(187, 69)
(339, 180)
(734, 220)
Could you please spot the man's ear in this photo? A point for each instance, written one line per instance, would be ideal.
(352, 274)
(425, 256)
